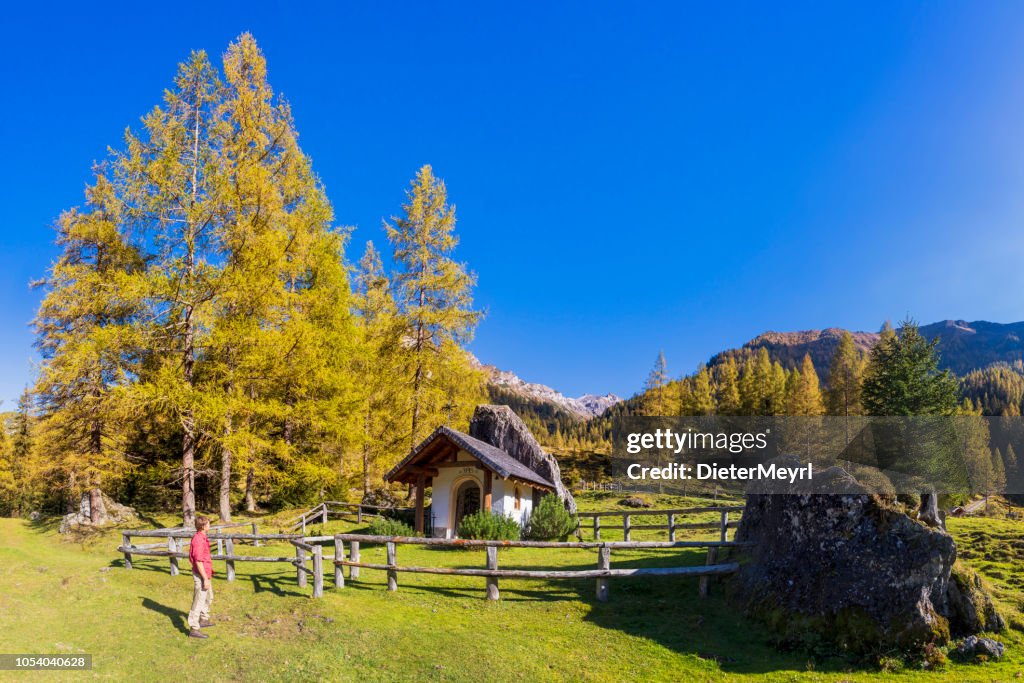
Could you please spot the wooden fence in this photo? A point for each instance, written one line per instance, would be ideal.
(584, 485)
(722, 525)
(309, 556)
(603, 572)
(323, 511)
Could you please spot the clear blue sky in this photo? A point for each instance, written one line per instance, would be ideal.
(629, 176)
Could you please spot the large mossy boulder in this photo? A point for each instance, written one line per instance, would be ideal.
(855, 570)
(502, 428)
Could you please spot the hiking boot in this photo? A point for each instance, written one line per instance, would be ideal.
(196, 633)
(206, 624)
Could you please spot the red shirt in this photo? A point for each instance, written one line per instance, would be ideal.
(199, 553)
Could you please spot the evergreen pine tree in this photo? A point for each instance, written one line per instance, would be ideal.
(22, 454)
(654, 387)
(86, 348)
(702, 399)
(8, 486)
(805, 398)
(903, 377)
(1012, 469)
(728, 391)
(844, 379)
(385, 398)
(998, 481)
(434, 296)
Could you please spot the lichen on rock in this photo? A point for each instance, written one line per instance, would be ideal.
(502, 428)
(854, 569)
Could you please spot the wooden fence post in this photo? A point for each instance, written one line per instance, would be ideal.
(324, 513)
(127, 544)
(353, 554)
(604, 561)
(597, 527)
(220, 546)
(300, 566)
(318, 571)
(724, 536)
(172, 547)
(359, 514)
(392, 574)
(712, 558)
(339, 555)
(256, 542)
(230, 546)
(492, 581)
(303, 525)
(625, 527)
(672, 527)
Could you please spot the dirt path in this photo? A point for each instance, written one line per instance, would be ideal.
(973, 507)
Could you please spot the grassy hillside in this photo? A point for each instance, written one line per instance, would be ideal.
(75, 597)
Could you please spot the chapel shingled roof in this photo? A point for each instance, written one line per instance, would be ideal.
(503, 464)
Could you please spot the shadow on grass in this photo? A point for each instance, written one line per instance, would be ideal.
(44, 524)
(176, 616)
(669, 611)
(261, 583)
(282, 587)
(666, 610)
(551, 593)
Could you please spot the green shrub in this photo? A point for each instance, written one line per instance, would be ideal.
(549, 521)
(489, 526)
(384, 526)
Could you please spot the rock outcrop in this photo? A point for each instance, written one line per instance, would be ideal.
(586, 406)
(854, 569)
(502, 428)
(980, 649)
(110, 512)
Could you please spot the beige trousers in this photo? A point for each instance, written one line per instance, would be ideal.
(201, 601)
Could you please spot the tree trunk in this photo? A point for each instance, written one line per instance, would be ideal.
(417, 384)
(929, 510)
(366, 453)
(225, 475)
(225, 485)
(250, 497)
(97, 509)
(188, 484)
(188, 442)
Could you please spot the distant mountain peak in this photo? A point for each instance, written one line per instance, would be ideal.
(587, 406)
(963, 346)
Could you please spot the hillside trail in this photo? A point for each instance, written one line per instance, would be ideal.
(974, 506)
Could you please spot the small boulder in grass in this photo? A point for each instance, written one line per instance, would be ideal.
(635, 502)
(980, 649)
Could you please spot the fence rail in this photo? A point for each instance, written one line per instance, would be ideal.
(329, 508)
(176, 549)
(492, 573)
(722, 525)
(309, 554)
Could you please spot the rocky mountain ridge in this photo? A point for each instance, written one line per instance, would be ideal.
(963, 346)
(586, 406)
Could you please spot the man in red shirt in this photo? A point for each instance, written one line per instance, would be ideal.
(202, 580)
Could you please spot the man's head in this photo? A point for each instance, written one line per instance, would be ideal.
(202, 523)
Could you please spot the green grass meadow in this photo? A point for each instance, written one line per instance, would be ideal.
(74, 596)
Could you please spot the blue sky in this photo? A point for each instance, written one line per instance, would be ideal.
(629, 176)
